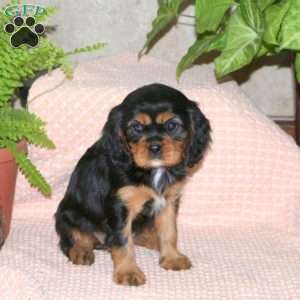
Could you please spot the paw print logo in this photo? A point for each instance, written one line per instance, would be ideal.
(24, 31)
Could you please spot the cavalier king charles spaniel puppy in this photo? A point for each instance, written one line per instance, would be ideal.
(125, 189)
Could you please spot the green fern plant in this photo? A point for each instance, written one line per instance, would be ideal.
(17, 65)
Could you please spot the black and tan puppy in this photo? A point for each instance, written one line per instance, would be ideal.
(125, 189)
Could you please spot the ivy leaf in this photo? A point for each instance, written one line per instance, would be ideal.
(168, 11)
(242, 43)
(290, 29)
(209, 14)
(251, 15)
(263, 4)
(265, 50)
(297, 66)
(202, 45)
(274, 16)
(198, 48)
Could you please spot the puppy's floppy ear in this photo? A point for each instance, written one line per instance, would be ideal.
(114, 140)
(200, 135)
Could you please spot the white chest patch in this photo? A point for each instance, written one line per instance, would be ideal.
(157, 180)
(159, 204)
(158, 177)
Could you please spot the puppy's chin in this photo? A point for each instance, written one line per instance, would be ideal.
(156, 163)
(151, 164)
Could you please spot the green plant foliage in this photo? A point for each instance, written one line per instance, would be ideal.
(290, 28)
(17, 65)
(243, 40)
(274, 16)
(168, 12)
(32, 174)
(263, 4)
(89, 48)
(210, 21)
(297, 66)
(202, 45)
(240, 31)
(18, 124)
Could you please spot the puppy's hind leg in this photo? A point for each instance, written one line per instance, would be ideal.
(82, 251)
(77, 245)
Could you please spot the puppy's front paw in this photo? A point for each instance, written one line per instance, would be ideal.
(131, 277)
(81, 256)
(177, 263)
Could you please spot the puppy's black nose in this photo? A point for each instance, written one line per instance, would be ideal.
(154, 148)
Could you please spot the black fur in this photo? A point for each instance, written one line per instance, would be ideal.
(90, 203)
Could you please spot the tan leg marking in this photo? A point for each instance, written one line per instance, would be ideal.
(170, 257)
(149, 237)
(82, 251)
(126, 271)
(173, 192)
(135, 197)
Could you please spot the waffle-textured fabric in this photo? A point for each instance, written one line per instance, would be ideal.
(239, 219)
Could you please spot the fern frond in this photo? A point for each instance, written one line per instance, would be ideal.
(33, 175)
(18, 124)
(87, 49)
(17, 65)
(67, 67)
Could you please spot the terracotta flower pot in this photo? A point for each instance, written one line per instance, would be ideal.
(8, 176)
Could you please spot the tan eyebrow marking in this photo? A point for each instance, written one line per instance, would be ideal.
(143, 118)
(164, 117)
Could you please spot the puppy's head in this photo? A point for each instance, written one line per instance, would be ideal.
(157, 126)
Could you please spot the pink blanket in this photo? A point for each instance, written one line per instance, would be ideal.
(239, 220)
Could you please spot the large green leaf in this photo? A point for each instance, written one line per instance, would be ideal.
(198, 48)
(202, 45)
(209, 14)
(290, 29)
(242, 44)
(252, 15)
(265, 50)
(297, 66)
(274, 16)
(263, 4)
(167, 12)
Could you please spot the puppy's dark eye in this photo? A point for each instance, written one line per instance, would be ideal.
(172, 126)
(138, 127)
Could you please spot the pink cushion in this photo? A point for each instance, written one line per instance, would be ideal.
(250, 175)
(239, 220)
